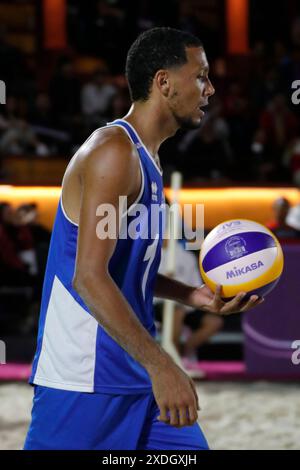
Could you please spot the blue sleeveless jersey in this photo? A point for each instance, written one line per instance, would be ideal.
(73, 351)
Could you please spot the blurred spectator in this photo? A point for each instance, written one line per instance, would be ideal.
(206, 151)
(192, 19)
(280, 227)
(9, 112)
(239, 118)
(261, 157)
(108, 23)
(15, 241)
(96, 98)
(11, 59)
(27, 215)
(120, 103)
(20, 267)
(266, 85)
(278, 126)
(64, 91)
(20, 139)
(291, 160)
(219, 72)
(293, 219)
(44, 125)
(41, 113)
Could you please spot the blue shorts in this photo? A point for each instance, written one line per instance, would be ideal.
(95, 421)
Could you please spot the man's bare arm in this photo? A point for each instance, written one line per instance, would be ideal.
(202, 297)
(109, 171)
(168, 288)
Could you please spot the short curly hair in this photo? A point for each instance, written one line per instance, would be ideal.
(155, 49)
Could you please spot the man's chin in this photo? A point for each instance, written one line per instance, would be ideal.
(189, 123)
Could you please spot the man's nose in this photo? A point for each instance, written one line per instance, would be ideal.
(209, 91)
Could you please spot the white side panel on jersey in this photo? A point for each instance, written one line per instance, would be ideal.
(67, 358)
(227, 274)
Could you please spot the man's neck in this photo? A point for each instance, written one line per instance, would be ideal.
(151, 124)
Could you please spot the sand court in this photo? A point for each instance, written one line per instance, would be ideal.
(237, 415)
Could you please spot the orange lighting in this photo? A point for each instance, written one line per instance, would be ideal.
(229, 203)
(219, 204)
(54, 15)
(237, 17)
(45, 197)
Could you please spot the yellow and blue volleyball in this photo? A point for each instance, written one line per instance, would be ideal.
(241, 255)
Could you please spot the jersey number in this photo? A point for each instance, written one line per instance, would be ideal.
(149, 257)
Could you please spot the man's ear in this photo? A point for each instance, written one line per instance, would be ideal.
(162, 82)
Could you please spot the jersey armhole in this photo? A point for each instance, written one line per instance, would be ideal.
(140, 195)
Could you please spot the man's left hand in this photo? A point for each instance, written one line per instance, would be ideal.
(204, 299)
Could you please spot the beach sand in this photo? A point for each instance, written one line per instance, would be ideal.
(258, 415)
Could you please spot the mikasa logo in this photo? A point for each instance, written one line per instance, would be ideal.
(235, 272)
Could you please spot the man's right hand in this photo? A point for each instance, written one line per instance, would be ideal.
(175, 395)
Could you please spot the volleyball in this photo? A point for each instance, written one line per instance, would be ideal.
(241, 255)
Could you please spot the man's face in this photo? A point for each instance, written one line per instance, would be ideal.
(191, 89)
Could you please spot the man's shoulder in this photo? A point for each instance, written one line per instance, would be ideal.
(109, 145)
(110, 137)
(110, 161)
